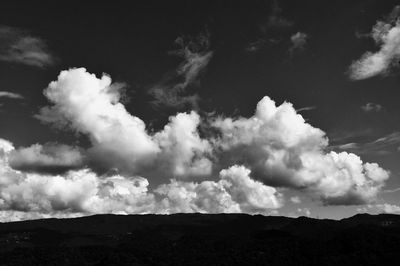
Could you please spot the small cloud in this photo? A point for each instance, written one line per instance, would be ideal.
(267, 28)
(11, 95)
(386, 34)
(299, 40)
(172, 92)
(295, 200)
(255, 46)
(275, 19)
(307, 108)
(371, 107)
(17, 46)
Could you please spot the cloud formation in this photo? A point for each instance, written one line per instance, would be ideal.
(18, 46)
(120, 140)
(50, 158)
(275, 18)
(371, 107)
(382, 146)
(172, 92)
(380, 208)
(10, 95)
(282, 149)
(386, 34)
(81, 192)
(299, 40)
(276, 145)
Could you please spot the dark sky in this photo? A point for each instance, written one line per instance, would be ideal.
(253, 55)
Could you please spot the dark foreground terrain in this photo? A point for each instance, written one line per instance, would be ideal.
(199, 239)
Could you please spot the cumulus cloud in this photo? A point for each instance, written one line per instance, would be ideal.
(276, 144)
(184, 153)
(120, 140)
(172, 92)
(386, 34)
(91, 106)
(299, 40)
(81, 192)
(11, 95)
(282, 149)
(18, 46)
(236, 191)
(49, 158)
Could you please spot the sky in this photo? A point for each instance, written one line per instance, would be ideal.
(263, 107)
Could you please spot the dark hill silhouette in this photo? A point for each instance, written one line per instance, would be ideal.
(199, 239)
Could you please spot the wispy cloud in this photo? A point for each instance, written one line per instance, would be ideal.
(386, 34)
(371, 107)
(381, 146)
(11, 95)
(275, 19)
(196, 56)
(307, 108)
(18, 46)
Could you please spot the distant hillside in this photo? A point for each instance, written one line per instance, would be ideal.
(199, 239)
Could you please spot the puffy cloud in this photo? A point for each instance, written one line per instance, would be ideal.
(82, 192)
(386, 34)
(50, 158)
(299, 40)
(11, 95)
(120, 140)
(236, 191)
(184, 153)
(196, 56)
(295, 199)
(282, 149)
(17, 46)
(276, 144)
(91, 106)
(371, 107)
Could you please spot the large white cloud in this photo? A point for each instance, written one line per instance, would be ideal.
(386, 34)
(82, 192)
(91, 106)
(119, 140)
(276, 144)
(236, 191)
(283, 150)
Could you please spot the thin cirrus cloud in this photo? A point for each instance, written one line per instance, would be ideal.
(386, 34)
(387, 144)
(173, 90)
(10, 95)
(239, 169)
(274, 20)
(18, 46)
